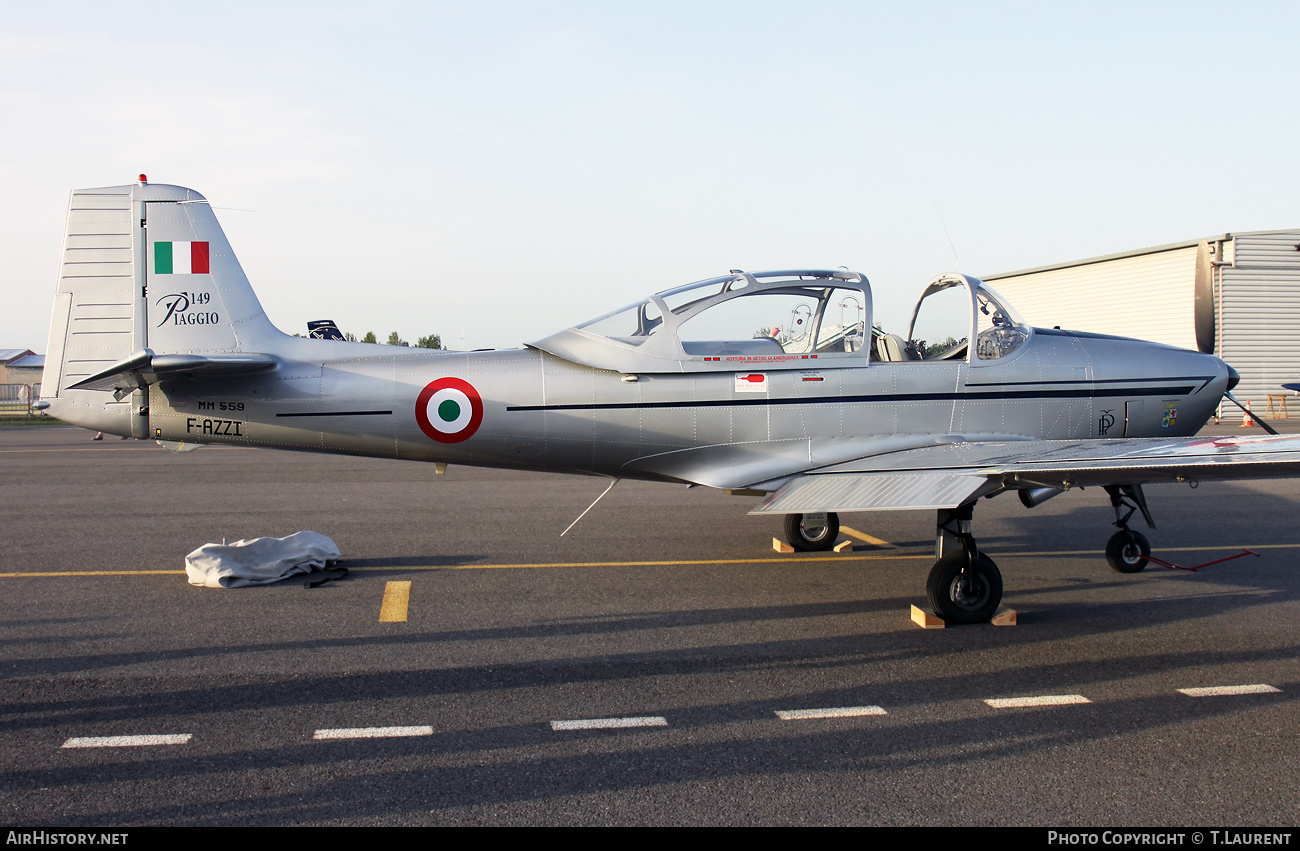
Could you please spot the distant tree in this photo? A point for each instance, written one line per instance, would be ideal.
(929, 351)
(350, 337)
(394, 340)
(370, 337)
(433, 341)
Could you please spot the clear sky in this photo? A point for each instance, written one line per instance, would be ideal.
(494, 171)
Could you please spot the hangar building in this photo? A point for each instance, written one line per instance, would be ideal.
(1236, 295)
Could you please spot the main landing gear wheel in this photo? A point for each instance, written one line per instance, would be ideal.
(961, 594)
(812, 532)
(1127, 551)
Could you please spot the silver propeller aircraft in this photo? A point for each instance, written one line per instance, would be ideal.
(772, 384)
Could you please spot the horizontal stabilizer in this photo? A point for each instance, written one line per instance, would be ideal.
(873, 492)
(144, 368)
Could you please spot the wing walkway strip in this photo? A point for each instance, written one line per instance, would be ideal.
(126, 741)
(1041, 700)
(1218, 691)
(372, 732)
(611, 723)
(831, 712)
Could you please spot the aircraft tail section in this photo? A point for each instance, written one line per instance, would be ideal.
(146, 272)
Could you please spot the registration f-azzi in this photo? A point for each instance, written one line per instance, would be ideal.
(765, 384)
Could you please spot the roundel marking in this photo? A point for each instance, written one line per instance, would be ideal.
(449, 410)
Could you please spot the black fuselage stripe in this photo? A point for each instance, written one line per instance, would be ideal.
(336, 414)
(1200, 378)
(891, 397)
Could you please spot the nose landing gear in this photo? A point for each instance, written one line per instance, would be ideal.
(1128, 551)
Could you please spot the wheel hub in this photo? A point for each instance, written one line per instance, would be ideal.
(969, 592)
(813, 526)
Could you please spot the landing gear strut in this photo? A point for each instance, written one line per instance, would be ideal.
(812, 532)
(1127, 551)
(964, 585)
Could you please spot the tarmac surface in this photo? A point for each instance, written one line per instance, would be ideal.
(659, 664)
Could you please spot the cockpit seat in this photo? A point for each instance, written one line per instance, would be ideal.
(892, 348)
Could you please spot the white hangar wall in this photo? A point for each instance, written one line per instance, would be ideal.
(1237, 295)
(1148, 296)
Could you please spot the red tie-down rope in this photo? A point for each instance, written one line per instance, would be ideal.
(1164, 563)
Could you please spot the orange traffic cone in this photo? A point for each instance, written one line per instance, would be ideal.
(1246, 421)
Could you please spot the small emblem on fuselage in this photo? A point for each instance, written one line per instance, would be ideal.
(1170, 417)
(1104, 422)
(449, 410)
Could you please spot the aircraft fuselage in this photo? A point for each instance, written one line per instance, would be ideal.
(541, 412)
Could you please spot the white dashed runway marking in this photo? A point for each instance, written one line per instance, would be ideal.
(1042, 700)
(126, 741)
(372, 732)
(611, 723)
(829, 712)
(656, 720)
(1217, 691)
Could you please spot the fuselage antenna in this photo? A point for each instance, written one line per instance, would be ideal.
(589, 507)
(956, 262)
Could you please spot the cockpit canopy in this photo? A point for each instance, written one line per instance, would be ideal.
(941, 326)
(784, 320)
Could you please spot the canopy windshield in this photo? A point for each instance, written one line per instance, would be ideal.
(772, 318)
(952, 310)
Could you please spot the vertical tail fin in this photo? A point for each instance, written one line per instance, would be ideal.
(146, 270)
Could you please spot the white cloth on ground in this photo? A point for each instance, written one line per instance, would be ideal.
(259, 561)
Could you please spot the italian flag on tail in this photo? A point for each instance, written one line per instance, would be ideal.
(180, 258)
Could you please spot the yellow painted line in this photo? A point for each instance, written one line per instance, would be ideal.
(804, 559)
(110, 447)
(95, 573)
(666, 563)
(396, 597)
(863, 536)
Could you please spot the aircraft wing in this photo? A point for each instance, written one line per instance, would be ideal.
(945, 476)
(144, 368)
